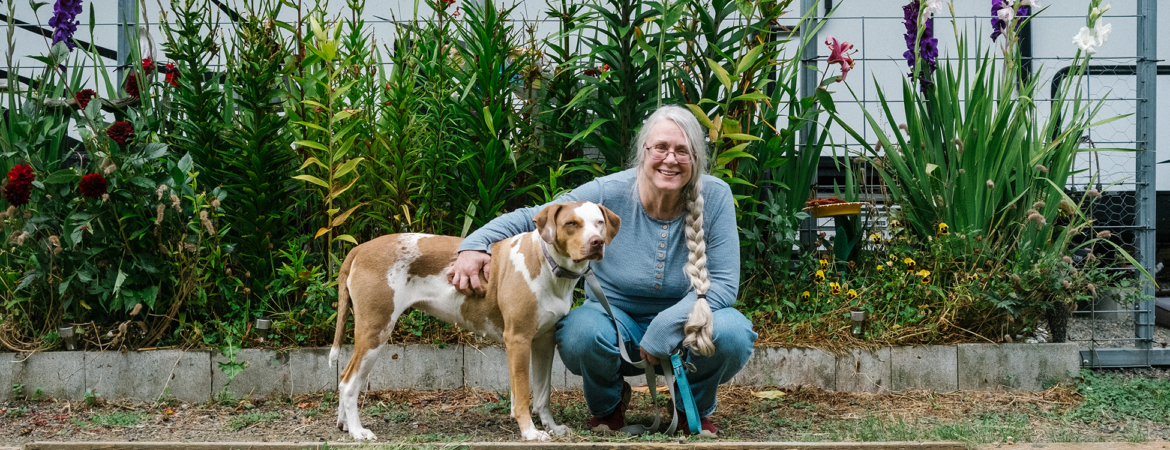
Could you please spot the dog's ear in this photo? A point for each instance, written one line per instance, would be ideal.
(612, 224)
(546, 222)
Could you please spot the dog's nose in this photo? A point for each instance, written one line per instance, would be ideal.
(595, 243)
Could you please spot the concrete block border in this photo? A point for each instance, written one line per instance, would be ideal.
(195, 375)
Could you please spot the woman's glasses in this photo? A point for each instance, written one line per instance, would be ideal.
(658, 153)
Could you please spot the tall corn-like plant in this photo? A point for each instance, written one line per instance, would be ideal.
(198, 102)
(260, 157)
(330, 140)
(491, 70)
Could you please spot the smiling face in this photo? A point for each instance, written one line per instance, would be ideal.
(666, 177)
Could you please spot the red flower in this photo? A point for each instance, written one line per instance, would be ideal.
(83, 97)
(121, 132)
(93, 185)
(172, 74)
(605, 68)
(134, 85)
(840, 54)
(448, 2)
(591, 72)
(19, 187)
(148, 66)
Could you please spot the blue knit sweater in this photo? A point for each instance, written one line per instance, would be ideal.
(642, 272)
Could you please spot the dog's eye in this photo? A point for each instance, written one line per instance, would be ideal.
(600, 223)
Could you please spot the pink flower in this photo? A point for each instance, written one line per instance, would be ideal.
(840, 54)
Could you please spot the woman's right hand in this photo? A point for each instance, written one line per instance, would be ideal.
(464, 275)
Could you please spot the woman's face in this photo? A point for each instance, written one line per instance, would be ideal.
(667, 174)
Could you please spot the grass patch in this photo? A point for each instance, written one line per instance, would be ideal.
(502, 405)
(117, 419)
(1112, 397)
(242, 421)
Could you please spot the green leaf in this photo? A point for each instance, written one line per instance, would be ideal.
(487, 118)
(731, 155)
(337, 221)
(347, 238)
(155, 150)
(118, 281)
(747, 60)
(750, 97)
(311, 144)
(186, 164)
(721, 73)
(742, 137)
(701, 115)
(62, 176)
(588, 131)
(313, 160)
(347, 167)
(313, 179)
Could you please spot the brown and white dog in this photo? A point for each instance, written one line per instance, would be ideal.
(523, 299)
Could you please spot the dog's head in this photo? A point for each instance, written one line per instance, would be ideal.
(578, 230)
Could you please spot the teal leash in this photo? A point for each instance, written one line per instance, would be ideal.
(675, 372)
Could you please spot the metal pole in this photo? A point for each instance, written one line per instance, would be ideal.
(808, 88)
(1147, 95)
(126, 19)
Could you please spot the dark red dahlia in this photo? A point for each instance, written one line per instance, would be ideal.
(134, 85)
(83, 97)
(93, 185)
(19, 187)
(172, 74)
(121, 132)
(148, 66)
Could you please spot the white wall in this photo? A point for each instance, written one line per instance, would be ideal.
(874, 26)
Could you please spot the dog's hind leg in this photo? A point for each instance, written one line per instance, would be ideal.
(542, 361)
(369, 340)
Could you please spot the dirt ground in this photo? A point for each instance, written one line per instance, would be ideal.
(464, 415)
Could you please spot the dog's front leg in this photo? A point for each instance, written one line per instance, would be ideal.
(519, 346)
(542, 362)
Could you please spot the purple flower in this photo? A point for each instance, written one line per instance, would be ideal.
(927, 47)
(1000, 19)
(64, 21)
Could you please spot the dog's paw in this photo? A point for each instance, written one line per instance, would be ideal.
(559, 430)
(362, 434)
(534, 435)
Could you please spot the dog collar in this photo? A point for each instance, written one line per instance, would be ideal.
(556, 268)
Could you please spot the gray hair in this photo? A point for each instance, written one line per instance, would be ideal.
(699, 327)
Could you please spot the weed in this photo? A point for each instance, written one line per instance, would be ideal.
(242, 421)
(502, 405)
(91, 398)
(18, 391)
(1112, 396)
(15, 412)
(396, 413)
(118, 419)
(38, 395)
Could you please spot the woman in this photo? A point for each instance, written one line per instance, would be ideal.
(678, 244)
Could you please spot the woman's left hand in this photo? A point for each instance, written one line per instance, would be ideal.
(653, 360)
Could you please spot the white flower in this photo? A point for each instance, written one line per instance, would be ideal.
(1007, 13)
(931, 7)
(1032, 3)
(1086, 41)
(1102, 33)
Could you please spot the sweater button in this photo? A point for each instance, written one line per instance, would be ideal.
(663, 234)
(659, 265)
(658, 275)
(660, 256)
(661, 245)
(656, 286)
(664, 227)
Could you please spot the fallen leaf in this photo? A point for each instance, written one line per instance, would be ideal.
(769, 394)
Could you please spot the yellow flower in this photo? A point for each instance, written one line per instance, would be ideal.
(973, 277)
(852, 294)
(835, 288)
(909, 263)
(943, 229)
(876, 238)
(819, 276)
(824, 263)
(881, 268)
(805, 295)
(925, 274)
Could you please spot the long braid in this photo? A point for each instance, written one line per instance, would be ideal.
(699, 326)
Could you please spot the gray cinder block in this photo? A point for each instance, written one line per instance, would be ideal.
(864, 371)
(486, 367)
(147, 376)
(266, 373)
(310, 372)
(57, 374)
(431, 367)
(1028, 367)
(789, 367)
(932, 367)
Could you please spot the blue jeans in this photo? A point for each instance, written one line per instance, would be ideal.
(588, 347)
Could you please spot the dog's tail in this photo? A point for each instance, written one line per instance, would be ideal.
(342, 305)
